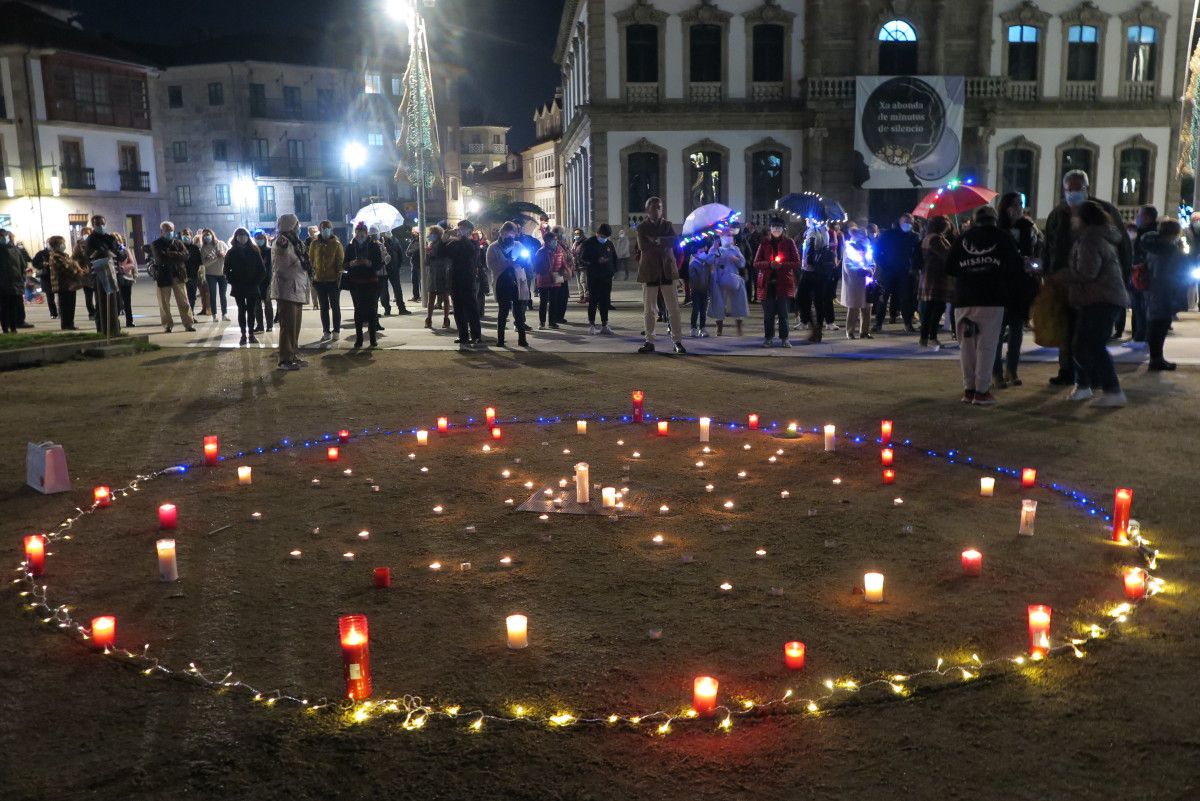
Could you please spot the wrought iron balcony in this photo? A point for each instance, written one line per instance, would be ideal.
(274, 108)
(288, 167)
(134, 181)
(78, 177)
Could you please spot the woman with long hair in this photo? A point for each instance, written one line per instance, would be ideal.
(244, 270)
(933, 285)
(212, 262)
(437, 282)
(126, 276)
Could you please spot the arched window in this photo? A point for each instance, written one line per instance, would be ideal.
(1023, 51)
(1133, 176)
(1083, 50)
(767, 64)
(1141, 53)
(705, 54)
(705, 177)
(641, 53)
(897, 48)
(766, 179)
(643, 175)
(1017, 173)
(1076, 158)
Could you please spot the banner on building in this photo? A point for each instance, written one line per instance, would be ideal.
(907, 130)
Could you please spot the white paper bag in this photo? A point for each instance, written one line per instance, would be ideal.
(46, 467)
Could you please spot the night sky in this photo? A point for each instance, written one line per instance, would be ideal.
(506, 46)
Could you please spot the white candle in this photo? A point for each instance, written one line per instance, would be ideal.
(873, 587)
(582, 482)
(1028, 514)
(296, 554)
(244, 475)
(705, 426)
(167, 567)
(987, 486)
(518, 631)
(422, 437)
(581, 426)
(608, 497)
(830, 436)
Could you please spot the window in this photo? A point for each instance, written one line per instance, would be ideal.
(766, 179)
(333, 203)
(179, 152)
(303, 201)
(325, 102)
(183, 196)
(396, 132)
(84, 91)
(452, 188)
(373, 84)
(261, 149)
(1076, 158)
(1082, 51)
(767, 58)
(291, 100)
(295, 150)
(223, 195)
(175, 97)
(641, 54)
(1016, 174)
(258, 99)
(220, 150)
(643, 180)
(266, 203)
(1133, 177)
(1141, 53)
(705, 54)
(495, 139)
(1023, 52)
(396, 86)
(704, 178)
(375, 139)
(897, 48)
(216, 94)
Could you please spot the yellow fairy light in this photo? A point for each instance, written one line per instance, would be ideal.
(940, 662)
(1020, 660)
(812, 706)
(415, 723)
(562, 719)
(361, 714)
(966, 674)
(829, 684)
(635, 720)
(727, 723)
(477, 724)
(452, 711)
(899, 677)
(519, 711)
(897, 689)
(748, 704)
(613, 718)
(691, 713)
(664, 728)
(787, 695)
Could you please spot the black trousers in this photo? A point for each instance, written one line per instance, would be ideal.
(562, 293)
(393, 280)
(88, 292)
(264, 313)
(931, 318)
(808, 298)
(10, 306)
(1012, 333)
(416, 278)
(329, 300)
(509, 302)
(599, 299)
(466, 314)
(48, 290)
(191, 295)
(1156, 337)
(247, 308)
(366, 298)
(66, 309)
(898, 290)
(127, 300)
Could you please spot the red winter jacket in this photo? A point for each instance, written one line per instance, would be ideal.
(780, 258)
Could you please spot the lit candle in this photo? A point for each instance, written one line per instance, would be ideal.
(662, 428)
(168, 517)
(705, 428)
(356, 655)
(830, 436)
(383, 577)
(1028, 516)
(972, 563)
(873, 587)
(1135, 583)
(889, 476)
(1122, 501)
(102, 496)
(793, 655)
(244, 474)
(987, 486)
(497, 433)
(885, 430)
(104, 632)
(422, 437)
(582, 483)
(1028, 477)
(658, 539)
(489, 416)
(211, 448)
(333, 453)
(608, 497)
(886, 456)
(344, 435)
(1039, 629)
(443, 425)
(793, 429)
(752, 421)
(35, 554)
(518, 631)
(704, 695)
(639, 398)
(168, 570)
(581, 426)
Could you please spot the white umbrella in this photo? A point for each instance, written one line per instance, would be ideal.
(383, 216)
(709, 218)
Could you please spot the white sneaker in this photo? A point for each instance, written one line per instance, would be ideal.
(1111, 399)
(1080, 394)
(933, 345)
(766, 343)
(592, 330)
(225, 317)
(604, 329)
(703, 332)
(833, 327)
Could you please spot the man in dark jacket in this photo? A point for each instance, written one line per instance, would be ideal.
(102, 246)
(1057, 256)
(658, 273)
(394, 265)
(364, 263)
(41, 267)
(12, 283)
(1147, 223)
(193, 273)
(897, 260)
(598, 260)
(988, 270)
(170, 276)
(464, 259)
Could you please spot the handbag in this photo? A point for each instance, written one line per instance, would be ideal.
(1048, 315)
(46, 467)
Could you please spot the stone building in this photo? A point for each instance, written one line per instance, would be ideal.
(741, 101)
(482, 147)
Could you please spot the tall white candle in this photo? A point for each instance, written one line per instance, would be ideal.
(422, 437)
(581, 426)
(608, 497)
(873, 587)
(705, 426)
(987, 486)
(582, 483)
(167, 568)
(518, 631)
(1028, 515)
(244, 474)
(830, 436)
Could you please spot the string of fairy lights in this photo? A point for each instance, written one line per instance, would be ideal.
(413, 713)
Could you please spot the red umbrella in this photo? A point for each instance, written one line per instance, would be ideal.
(954, 198)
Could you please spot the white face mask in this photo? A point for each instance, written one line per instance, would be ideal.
(360, 238)
(602, 239)
(207, 238)
(325, 232)
(1075, 197)
(727, 241)
(242, 239)
(906, 227)
(262, 241)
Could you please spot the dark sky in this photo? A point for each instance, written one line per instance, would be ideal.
(506, 46)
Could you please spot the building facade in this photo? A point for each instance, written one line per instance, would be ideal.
(741, 101)
(482, 147)
(531, 176)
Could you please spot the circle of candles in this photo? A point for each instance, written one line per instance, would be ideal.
(704, 695)
(333, 453)
(1135, 583)
(752, 421)
(102, 496)
(443, 425)
(1028, 477)
(497, 433)
(793, 655)
(168, 569)
(830, 437)
(489, 416)
(104, 631)
(663, 426)
(972, 563)
(422, 437)
(889, 476)
(383, 577)
(1039, 629)
(211, 449)
(638, 398)
(168, 517)
(873, 588)
(356, 655)
(245, 475)
(581, 426)
(343, 435)
(705, 428)
(35, 554)
(1122, 501)
(1028, 516)
(518, 631)
(885, 430)
(987, 486)
(886, 456)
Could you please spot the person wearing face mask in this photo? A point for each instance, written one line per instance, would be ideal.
(64, 281)
(1146, 222)
(104, 253)
(725, 262)
(363, 261)
(464, 258)
(244, 270)
(658, 274)
(1056, 257)
(170, 276)
(12, 283)
(509, 280)
(437, 279)
(41, 265)
(1165, 284)
(212, 263)
(1029, 243)
(264, 313)
(289, 287)
(313, 233)
(197, 285)
(818, 270)
(776, 261)
(328, 259)
(394, 260)
(79, 254)
(897, 260)
(858, 268)
(599, 261)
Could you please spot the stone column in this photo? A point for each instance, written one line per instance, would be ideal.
(985, 37)
(939, 38)
(866, 23)
(812, 38)
(983, 135)
(814, 159)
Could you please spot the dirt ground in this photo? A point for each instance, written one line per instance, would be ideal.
(1114, 724)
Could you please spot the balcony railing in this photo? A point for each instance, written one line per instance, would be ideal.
(766, 90)
(1022, 90)
(285, 167)
(134, 181)
(274, 108)
(1080, 90)
(1138, 90)
(986, 86)
(709, 92)
(641, 93)
(841, 88)
(482, 148)
(78, 177)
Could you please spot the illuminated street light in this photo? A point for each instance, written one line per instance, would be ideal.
(355, 155)
(473, 205)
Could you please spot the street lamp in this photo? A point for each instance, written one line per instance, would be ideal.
(244, 189)
(473, 205)
(355, 155)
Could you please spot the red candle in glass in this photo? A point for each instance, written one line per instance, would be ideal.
(886, 456)
(663, 426)
(211, 449)
(344, 435)
(333, 453)
(35, 554)
(104, 632)
(704, 696)
(889, 476)
(497, 433)
(1135, 583)
(793, 655)
(752, 422)
(1122, 501)
(356, 656)
(1039, 629)
(102, 495)
(489, 415)
(443, 425)
(639, 398)
(1028, 477)
(168, 517)
(885, 430)
(972, 563)
(383, 577)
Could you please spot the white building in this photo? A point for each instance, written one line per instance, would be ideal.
(532, 175)
(482, 147)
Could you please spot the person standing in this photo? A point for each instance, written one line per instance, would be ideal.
(599, 260)
(725, 261)
(103, 254)
(561, 296)
(858, 269)
(897, 259)
(86, 280)
(699, 272)
(776, 263)
(197, 285)
(1029, 244)
(395, 261)
(1164, 280)
(987, 269)
(41, 266)
(1145, 223)
(512, 287)
(437, 279)
(264, 314)
(170, 277)
(12, 282)
(327, 257)
(463, 253)
(818, 266)
(126, 277)
(364, 263)
(414, 262)
(657, 273)
(550, 272)
(244, 271)
(933, 288)
(212, 264)
(622, 247)
(289, 288)
(64, 281)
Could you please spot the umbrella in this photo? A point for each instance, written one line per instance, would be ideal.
(811, 206)
(708, 219)
(954, 198)
(384, 216)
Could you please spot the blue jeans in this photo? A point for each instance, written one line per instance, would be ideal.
(699, 307)
(216, 286)
(772, 308)
(1089, 347)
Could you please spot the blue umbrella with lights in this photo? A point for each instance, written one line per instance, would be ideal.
(811, 206)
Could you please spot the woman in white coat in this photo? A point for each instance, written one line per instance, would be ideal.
(290, 288)
(727, 289)
(858, 271)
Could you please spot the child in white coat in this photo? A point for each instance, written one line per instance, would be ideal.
(727, 290)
